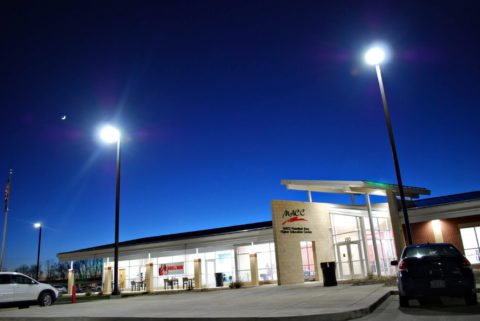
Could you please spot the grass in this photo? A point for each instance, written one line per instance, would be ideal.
(385, 280)
(83, 298)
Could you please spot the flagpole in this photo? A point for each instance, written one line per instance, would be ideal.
(5, 210)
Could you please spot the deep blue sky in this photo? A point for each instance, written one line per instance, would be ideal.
(219, 101)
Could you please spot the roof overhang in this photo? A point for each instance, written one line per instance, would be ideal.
(353, 187)
(257, 232)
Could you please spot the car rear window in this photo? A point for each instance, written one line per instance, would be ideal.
(432, 250)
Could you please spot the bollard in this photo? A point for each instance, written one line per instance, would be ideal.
(74, 294)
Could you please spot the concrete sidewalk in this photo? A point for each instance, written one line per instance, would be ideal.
(310, 301)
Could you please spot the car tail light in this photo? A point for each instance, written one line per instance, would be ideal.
(402, 266)
(466, 263)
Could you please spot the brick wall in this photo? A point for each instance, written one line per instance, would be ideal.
(451, 230)
(451, 233)
(423, 232)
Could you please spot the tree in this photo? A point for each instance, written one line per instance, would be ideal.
(58, 271)
(31, 270)
(88, 269)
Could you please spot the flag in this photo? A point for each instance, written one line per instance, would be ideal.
(7, 190)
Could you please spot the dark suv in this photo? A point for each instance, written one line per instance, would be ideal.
(437, 269)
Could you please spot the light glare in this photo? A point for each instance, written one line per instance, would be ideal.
(110, 134)
(375, 56)
(37, 225)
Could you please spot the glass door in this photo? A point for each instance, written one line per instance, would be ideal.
(210, 273)
(349, 246)
(344, 269)
(350, 261)
(357, 266)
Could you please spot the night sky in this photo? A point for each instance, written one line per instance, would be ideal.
(218, 101)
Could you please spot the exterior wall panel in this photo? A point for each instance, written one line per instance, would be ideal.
(451, 233)
(422, 232)
(311, 224)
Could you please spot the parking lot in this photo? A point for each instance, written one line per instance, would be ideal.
(310, 301)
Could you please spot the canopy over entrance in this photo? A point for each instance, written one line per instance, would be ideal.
(366, 188)
(353, 187)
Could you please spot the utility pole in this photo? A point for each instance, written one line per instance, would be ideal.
(5, 210)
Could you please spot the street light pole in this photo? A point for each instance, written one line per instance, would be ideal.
(117, 222)
(110, 134)
(375, 56)
(39, 226)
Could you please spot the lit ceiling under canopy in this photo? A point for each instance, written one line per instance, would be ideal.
(353, 187)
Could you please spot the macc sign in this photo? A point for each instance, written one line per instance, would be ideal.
(293, 216)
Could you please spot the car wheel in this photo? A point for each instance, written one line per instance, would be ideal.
(403, 301)
(471, 299)
(45, 299)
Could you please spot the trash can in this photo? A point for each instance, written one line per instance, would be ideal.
(219, 279)
(328, 271)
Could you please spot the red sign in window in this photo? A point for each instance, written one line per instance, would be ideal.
(171, 268)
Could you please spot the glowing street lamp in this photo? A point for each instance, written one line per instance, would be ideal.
(39, 226)
(375, 56)
(109, 135)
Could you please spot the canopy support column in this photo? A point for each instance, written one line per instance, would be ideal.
(372, 232)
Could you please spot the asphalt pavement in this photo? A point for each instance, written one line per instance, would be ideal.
(309, 301)
(439, 309)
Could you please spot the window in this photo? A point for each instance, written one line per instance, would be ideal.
(307, 260)
(471, 243)
(4, 279)
(20, 279)
(431, 250)
(265, 260)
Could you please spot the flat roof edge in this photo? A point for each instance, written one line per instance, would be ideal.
(180, 236)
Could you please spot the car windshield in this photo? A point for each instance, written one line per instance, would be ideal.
(430, 250)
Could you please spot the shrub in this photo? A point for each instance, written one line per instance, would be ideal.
(88, 291)
(235, 285)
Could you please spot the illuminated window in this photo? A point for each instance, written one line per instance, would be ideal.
(471, 243)
(308, 263)
(267, 269)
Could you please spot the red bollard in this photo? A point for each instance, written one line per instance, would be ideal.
(74, 294)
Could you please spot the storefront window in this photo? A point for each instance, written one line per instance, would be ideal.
(308, 262)
(265, 260)
(471, 243)
(385, 247)
(180, 263)
(352, 238)
(345, 227)
(225, 264)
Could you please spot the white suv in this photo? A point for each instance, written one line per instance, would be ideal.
(17, 288)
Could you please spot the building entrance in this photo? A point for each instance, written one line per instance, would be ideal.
(210, 273)
(353, 244)
(350, 259)
(348, 240)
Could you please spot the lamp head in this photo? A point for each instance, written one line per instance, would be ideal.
(109, 134)
(375, 56)
(37, 225)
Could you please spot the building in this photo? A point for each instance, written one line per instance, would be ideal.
(290, 248)
(453, 219)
